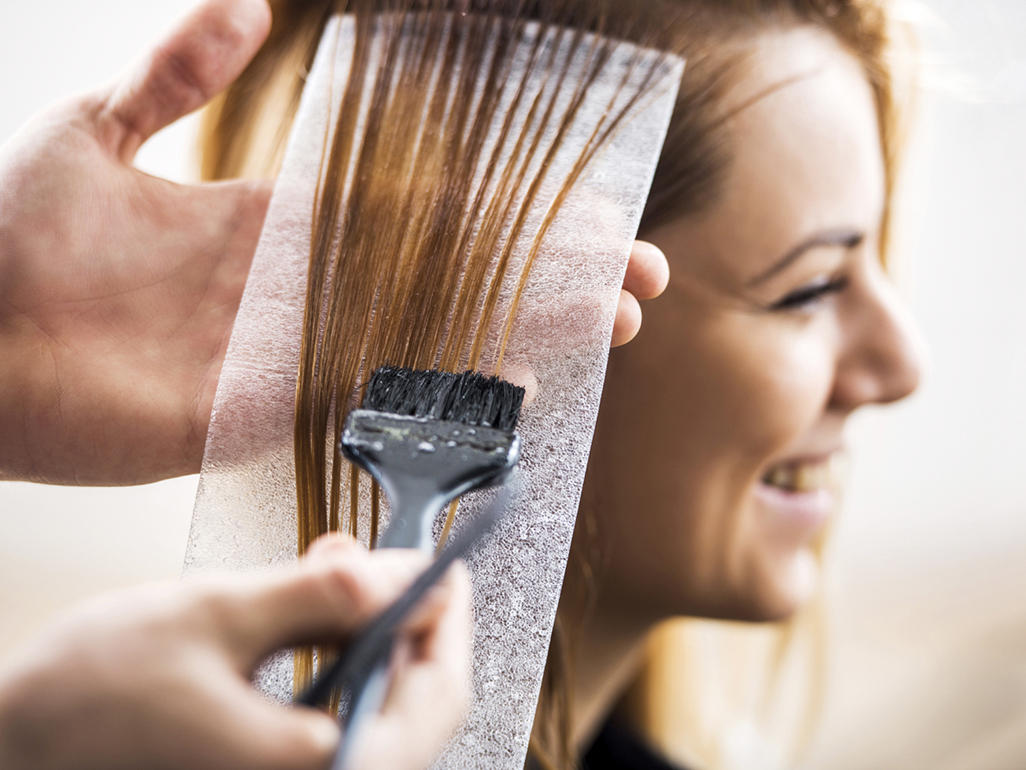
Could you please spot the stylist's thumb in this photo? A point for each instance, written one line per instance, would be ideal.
(335, 590)
(323, 599)
(206, 52)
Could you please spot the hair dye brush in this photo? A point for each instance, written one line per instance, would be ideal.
(426, 437)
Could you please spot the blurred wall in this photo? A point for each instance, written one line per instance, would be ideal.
(929, 640)
(929, 565)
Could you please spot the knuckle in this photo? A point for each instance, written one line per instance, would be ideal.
(179, 69)
(460, 577)
(220, 608)
(341, 587)
(211, 601)
(454, 672)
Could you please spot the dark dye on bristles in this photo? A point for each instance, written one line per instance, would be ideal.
(470, 398)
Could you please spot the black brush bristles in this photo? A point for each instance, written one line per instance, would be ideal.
(470, 398)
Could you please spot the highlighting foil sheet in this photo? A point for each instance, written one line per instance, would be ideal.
(245, 513)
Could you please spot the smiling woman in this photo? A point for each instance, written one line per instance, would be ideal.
(759, 359)
(933, 529)
(710, 495)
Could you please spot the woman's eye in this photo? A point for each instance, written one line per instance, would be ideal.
(809, 295)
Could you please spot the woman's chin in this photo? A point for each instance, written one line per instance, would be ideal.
(794, 582)
(773, 591)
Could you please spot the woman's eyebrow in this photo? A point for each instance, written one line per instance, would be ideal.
(848, 237)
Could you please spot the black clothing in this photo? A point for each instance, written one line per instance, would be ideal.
(617, 748)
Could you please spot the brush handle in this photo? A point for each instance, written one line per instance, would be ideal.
(369, 692)
(422, 465)
(369, 687)
(414, 505)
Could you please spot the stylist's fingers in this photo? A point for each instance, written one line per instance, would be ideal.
(327, 596)
(647, 275)
(260, 734)
(648, 272)
(334, 545)
(425, 613)
(443, 638)
(628, 319)
(431, 688)
(201, 57)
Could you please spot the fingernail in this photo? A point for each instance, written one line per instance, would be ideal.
(331, 544)
(325, 734)
(649, 248)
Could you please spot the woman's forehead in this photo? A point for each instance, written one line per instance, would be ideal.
(804, 151)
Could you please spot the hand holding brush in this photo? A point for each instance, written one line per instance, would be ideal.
(159, 676)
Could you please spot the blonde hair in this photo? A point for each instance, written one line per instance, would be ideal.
(243, 135)
(721, 695)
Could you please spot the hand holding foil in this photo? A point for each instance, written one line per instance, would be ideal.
(118, 290)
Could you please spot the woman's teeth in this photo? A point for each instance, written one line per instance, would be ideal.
(799, 477)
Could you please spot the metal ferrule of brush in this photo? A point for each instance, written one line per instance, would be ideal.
(423, 464)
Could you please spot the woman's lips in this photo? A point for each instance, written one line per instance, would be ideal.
(797, 498)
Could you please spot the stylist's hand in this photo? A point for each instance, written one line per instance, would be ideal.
(117, 289)
(158, 677)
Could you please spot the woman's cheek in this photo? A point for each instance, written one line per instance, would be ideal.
(806, 380)
(779, 384)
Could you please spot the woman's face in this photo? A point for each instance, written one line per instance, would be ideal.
(711, 472)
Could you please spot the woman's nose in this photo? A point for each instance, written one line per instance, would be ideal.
(881, 359)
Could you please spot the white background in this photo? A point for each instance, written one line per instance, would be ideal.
(930, 556)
